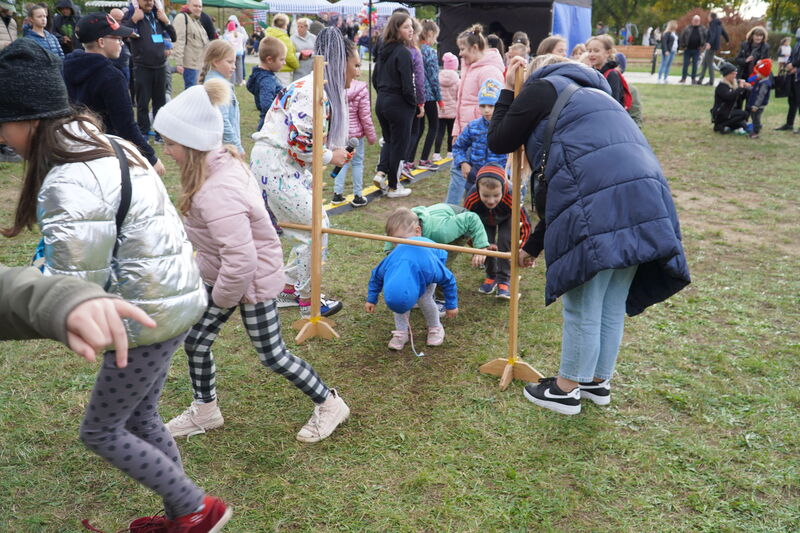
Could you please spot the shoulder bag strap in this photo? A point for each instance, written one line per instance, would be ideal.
(125, 188)
(561, 101)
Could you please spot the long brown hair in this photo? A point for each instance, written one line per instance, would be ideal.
(193, 174)
(53, 142)
(391, 34)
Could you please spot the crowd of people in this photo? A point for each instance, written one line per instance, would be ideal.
(92, 186)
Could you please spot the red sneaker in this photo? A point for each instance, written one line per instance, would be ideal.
(211, 519)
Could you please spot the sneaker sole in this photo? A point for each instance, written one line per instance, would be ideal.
(598, 400)
(222, 521)
(341, 421)
(395, 348)
(487, 292)
(281, 304)
(195, 431)
(503, 296)
(557, 407)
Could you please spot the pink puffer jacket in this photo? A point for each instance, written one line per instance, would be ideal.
(238, 250)
(472, 77)
(448, 81)
(360, 112)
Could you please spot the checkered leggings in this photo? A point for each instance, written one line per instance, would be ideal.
(263, 325)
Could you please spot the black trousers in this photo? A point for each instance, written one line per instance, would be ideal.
(416, 130)
(496, 268)
(150, 84)
(794, 102)
(432, 114)
(395, 117)
(737, 119)
(445, 129)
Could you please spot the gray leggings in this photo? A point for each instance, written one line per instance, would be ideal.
(429, 310)
(122, 425)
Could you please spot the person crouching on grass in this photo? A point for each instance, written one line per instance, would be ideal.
(240, 260)
(408, 276)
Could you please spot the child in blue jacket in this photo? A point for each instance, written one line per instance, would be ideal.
(263, 82)
(408, 276)
(470, 151)
(759, 95)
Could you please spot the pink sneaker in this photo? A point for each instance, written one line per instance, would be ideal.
(211, 519)
(435, 336)
(399, 340)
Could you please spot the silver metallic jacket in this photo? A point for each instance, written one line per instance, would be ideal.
(154, 268)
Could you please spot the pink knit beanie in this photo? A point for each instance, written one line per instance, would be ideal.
(450, 61)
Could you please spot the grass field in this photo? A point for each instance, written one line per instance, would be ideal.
(702, 434)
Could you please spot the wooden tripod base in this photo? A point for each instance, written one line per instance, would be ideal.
(509, 369)
(314, 327)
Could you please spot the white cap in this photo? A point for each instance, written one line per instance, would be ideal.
(192, 118)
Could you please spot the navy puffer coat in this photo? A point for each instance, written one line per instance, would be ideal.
(608, 204)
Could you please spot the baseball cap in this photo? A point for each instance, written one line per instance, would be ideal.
(96, 25)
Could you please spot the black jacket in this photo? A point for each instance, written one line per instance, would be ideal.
(667, 40)
(64, 26)
(687, 34)
(760, 51)
(93, 81)
(394, 72)
(146, 52)
(725, 100)
(715, 34)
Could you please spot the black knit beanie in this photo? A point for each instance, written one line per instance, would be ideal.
(31, 85)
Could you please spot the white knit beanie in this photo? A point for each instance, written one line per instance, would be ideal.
(192, 118)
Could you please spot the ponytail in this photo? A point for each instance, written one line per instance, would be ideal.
(473, 36)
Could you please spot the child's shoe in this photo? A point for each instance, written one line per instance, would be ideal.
(427, 164)
(599, 393)
(287, 299)
(399, 340)
(488, 286)
(753, 135)
(197, 418)
(149, 524)
(380, 180)
(450, 155)
(503, 292)
(547, 394)
(326, 418)
(436, 157)
(435, 336)
(398, 192)
(359, 201)
(337, 198)
(327, 307)
(211, 519)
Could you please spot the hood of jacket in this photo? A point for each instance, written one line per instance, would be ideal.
(66, 4)
(356, 90)
(80, 66)
(581, 75)
(254, 81)
(448, 78)
(388, 49)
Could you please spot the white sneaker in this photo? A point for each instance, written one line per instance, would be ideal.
(450, 155)
(399, 339)
(399, 192)
(436, 157)
(197, 418)
(287, 299)
(326, 418)
(380, 180)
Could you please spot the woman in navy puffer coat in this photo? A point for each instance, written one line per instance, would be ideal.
(611, 235)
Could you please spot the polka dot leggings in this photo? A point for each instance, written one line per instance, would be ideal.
(122, 425)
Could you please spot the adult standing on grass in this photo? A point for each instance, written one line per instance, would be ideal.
(280, 23)
(793, 69)
(190, 43)
(669, 48)
(612, 240)
(304, 44)
(693, 40)
(74, 190)
(715, 34)
(754, 48)
(8, 25)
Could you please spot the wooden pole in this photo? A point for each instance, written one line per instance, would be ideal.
(316, 326)
(400, 240)
(512, 367)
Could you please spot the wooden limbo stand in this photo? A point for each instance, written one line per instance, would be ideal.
(508, 368)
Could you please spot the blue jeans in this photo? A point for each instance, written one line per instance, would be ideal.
(694, 57)
(357, 164)
(189, 77)
(666, 63)
(457, 188)
(594, 317)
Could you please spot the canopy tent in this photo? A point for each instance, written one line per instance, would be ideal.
(304, 7)
(107, 3)
(537, 18)
(354, 7)
(232, 4)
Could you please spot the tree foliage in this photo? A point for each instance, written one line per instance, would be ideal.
(782, 13)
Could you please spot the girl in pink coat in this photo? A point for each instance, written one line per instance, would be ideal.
(449, 82)
(240, 260)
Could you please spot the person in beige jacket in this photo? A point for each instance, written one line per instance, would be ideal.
(8, 26)
(191, 42)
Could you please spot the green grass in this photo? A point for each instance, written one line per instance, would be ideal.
(701, 436)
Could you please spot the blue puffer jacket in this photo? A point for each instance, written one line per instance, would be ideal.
(608, 204)
(471, 146)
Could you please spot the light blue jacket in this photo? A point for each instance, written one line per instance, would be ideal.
(230, 116)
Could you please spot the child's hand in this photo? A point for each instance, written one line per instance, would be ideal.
(478, 260)
(492, 247)
(340, 157)
(451, 313)
(465, 169)
(369, 307)
(97, 324)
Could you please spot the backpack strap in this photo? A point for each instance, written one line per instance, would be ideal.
(561, 101)
(125, 189)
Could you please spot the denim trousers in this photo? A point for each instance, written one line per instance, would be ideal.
(666, 63)
(594, 317)
(190, 77)
(357, 165)
(692, 56)
(457, 188)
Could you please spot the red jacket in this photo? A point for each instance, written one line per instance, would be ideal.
(360, 112)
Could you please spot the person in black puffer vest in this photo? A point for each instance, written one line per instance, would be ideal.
(610, 232)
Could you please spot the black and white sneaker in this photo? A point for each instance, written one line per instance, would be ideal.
(547, 394)
(337, 198)
(599, 393)
(359, 201)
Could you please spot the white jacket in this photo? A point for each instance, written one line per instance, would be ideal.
(154, 268)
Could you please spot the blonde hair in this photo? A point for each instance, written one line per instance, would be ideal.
(402, 220)
(672, 25)
(302, 20)
(473, 36)
(547, 59)
(606, 41)
(280, 20)
(548, 44)
(270, 47)
(217, 50)
(579, 49)
(489, 184)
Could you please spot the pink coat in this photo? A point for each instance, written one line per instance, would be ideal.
(472, 77)
(360, 112)
(238, 250)
(449, 81)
